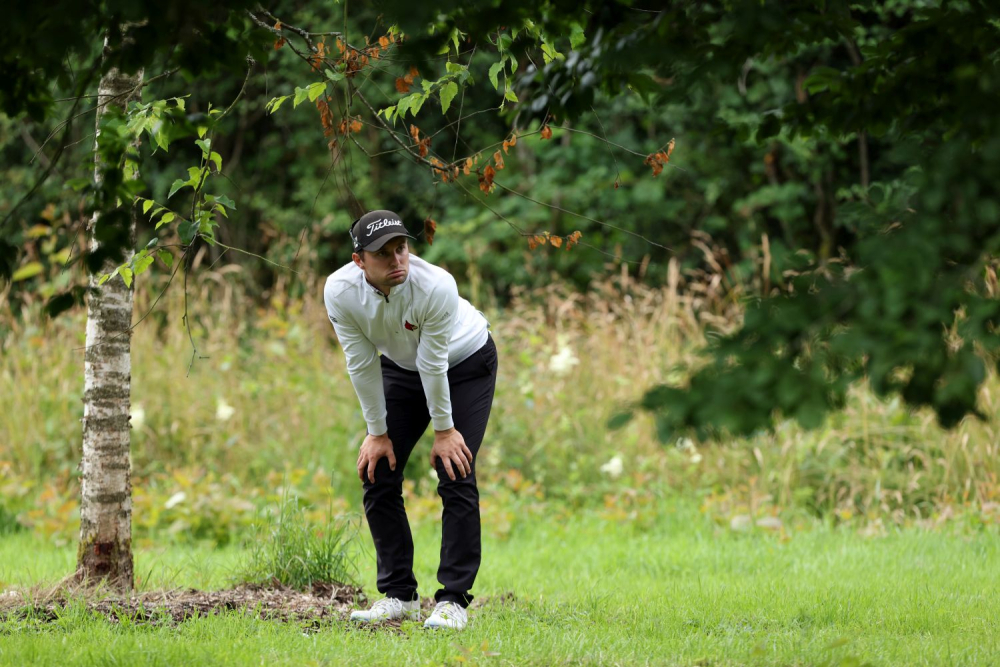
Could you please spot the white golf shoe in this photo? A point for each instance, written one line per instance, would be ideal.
(448, 615)
(388, 609)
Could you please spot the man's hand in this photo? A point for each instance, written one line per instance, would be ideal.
(450, 447)
(372, 449)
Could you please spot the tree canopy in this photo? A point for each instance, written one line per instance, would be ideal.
(840, 154)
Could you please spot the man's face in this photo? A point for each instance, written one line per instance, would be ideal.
(386, 267)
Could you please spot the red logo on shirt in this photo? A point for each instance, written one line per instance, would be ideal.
(409, 327)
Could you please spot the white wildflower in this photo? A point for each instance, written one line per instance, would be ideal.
(562, 362)
(138, 416)
(175, 500)
(614, 467)
(223, 411)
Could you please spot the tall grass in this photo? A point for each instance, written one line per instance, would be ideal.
(264, 389)
(287, 549)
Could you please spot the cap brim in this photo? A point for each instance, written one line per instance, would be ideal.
(382, 240)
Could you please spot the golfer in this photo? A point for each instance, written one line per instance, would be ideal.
(417, 354)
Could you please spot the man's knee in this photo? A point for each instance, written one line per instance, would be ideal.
(387, 481)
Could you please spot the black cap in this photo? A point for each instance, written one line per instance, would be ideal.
(372, 230)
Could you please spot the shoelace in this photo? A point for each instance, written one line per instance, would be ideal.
(449, 609)
(391, 605)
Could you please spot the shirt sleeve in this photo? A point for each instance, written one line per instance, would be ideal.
(432, 352)
(363, 366)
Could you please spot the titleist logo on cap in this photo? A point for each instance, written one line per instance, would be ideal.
(376, 225)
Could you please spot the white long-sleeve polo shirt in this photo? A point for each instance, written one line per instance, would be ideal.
(422, 325)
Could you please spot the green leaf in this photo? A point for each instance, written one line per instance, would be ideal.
(202, 130)
(217, 159)
(388, 112)
(454, 68)
(106, 277)
(300, 96)
(419, 102)
(273, 106)
(448, 92)
(126, 274)
(316, 89)
(141, 263)
(78, 184)
(146, 205)
(205, 145)
(177, 185)
(334, 76)
(179, 101)
(226, 201)
(549, 53)
(29, 270)
(619, 420)
(166, 257)
(576, 36)
(494, 71)
(161, 139)
(513, 63)
(510, 96)
(404, 105)
(167, 218)
(822, 78)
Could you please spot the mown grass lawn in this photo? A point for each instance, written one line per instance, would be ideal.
(586, 590)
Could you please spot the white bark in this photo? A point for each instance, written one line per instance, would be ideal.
(106, 489)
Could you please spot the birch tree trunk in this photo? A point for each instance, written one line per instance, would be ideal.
(105, 551)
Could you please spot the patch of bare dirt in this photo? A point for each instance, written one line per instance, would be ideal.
(320, 604)
(318, 607)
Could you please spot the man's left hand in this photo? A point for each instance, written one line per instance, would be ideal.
(450, 447)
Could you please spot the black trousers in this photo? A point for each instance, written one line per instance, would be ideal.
(472, 385)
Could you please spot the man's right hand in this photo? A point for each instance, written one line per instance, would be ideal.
(372, 449)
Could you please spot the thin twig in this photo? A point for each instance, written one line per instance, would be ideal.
(618, 173)
(461, 105)
(580, 215)
(247, 252)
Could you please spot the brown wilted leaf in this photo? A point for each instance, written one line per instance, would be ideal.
(498, 159)
(415, 132)
(486, 179)
(429, 228)
(546, 132)
(340, 45)
(506, 145)
(573, 239)
(653, 160)
(424, 146)
(513, 139)
(468, 166)
(540, 239)
(413, 73)
(383, 41)
(280, 42)
(556, 241)
(402, 86)
(670, 149)
(277, 26)
(355, 125)
(532, 243)
(325, 116)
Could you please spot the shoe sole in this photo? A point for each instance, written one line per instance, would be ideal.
(407, 616)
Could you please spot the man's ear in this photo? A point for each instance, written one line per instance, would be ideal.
(358, 260)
